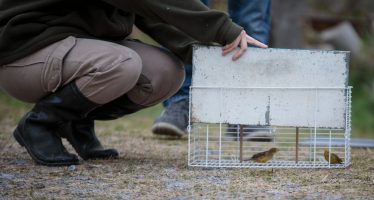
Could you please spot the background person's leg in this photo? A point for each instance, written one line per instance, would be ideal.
(206, 2)
(253, 16)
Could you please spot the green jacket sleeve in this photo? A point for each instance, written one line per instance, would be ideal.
(188, 16)
(169, 37)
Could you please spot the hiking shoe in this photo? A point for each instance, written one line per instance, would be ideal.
(173, 121)
(251, 132)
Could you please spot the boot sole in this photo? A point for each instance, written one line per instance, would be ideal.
(105, 154)
(99, 155)
(167, 129)
(19, 139)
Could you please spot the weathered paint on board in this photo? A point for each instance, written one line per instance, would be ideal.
(282, 87)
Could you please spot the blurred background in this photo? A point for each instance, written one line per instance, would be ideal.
(298, 24)
(334, 24)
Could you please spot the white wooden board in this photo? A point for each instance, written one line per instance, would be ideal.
(282, 87)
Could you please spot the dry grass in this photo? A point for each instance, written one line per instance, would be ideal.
(150, 167)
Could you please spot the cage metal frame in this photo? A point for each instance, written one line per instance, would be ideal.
(239, 163)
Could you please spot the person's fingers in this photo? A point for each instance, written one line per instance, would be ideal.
(232, 46)
(243, 48)
(229, 49)
(241, 41)
(255, 42)
(227, 46)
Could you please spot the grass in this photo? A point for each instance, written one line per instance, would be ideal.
(151, 167)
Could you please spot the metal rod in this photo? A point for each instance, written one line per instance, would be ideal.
(330, 149)
(347, 133)
(220, 144)
(189, 146)
(220, 128)
(315, 126)
(189, 131)
(296, 88)
(241, 143)
(310, 146)
(199, 149)
(297, 144)
(207, 146)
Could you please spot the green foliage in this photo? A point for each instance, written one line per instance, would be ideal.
(362, 80)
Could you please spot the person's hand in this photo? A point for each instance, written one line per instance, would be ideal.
(241, 41)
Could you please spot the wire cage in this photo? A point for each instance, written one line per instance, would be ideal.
(232, 145)
(297, 119)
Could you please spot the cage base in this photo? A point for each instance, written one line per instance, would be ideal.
(270, 164)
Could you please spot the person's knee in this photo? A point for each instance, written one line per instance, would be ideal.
(128, 70)
(166, 80)
(124, 70)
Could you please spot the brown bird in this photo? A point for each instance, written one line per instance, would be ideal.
(334, 159)
(263, 157)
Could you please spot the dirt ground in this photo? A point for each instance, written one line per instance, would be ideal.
(151, 167)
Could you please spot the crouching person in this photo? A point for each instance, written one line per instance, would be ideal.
(75, 62)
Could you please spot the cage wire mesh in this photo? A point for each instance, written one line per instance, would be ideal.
(233, 145)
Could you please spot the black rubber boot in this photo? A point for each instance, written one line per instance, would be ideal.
(81, 134)
(37, 130)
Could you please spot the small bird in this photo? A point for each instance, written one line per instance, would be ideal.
(263, 157)
(334, 159)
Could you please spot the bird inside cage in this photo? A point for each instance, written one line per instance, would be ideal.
(334, 159)
(263, 157)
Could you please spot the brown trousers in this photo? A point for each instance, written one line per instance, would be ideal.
(103, 71)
